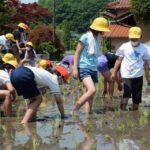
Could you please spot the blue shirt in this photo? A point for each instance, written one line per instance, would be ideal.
(85, 59)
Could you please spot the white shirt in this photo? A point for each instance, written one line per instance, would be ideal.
(4, 77)
(3, 41)
(133, 59)
(44, 78)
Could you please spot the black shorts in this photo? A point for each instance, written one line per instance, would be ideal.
(23, 81)
(133, 87)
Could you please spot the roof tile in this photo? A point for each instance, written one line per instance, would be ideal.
(117, 31)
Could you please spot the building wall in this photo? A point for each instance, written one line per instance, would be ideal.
(145, 30)
(117, 42)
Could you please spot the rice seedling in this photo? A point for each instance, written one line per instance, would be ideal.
(143, 121)
(35, 143)
(143, 140)
(122, 128)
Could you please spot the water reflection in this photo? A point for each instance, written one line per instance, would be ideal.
(107, 128)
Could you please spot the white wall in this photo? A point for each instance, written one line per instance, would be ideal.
(117, 42)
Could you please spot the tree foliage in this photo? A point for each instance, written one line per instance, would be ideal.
(42, 36)
(141, 9)
(78, 13)
(12, 12)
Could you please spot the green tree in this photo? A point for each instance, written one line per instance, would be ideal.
(79, 13)
(64, 30)
(141, 10)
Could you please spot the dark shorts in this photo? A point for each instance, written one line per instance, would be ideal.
(23, 81)
(133, 87)
(84, 72)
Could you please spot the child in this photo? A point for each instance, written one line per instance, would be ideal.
(45, 64)
(85, 62)
(105, 63)
(27, 80)
(30, 55)
(7, 91)
(133, 57)
(67, 62)
(20, 35)
(6, 42)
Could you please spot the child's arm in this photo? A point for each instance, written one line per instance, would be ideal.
(116, 67)
(12, 90)
(22, 62)
(76, 58)
(60, 105)
(146, 68)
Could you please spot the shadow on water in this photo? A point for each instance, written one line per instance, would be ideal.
(107, 128)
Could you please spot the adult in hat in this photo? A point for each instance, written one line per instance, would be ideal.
(132, 59)
(85, 61)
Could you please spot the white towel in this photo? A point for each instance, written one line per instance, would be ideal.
(93, 49)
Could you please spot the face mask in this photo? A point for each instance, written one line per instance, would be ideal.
(134, 44)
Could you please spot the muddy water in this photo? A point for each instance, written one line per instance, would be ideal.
(106, 129)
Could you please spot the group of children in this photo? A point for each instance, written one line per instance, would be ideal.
(17, 44)
(29, 80)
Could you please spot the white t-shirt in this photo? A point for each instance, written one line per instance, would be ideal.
(4, 77)
(44, 78)
(133, 59)
(3, 41)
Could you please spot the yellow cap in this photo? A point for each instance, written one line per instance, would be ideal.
(13, 63)
(29, 44)
(23, 26)
(43, 64)
(100, 24)
(10, 36)
(8, 57)
(135, 33)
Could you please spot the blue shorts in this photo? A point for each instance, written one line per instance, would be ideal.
(84, 72)
(102, 64)
(23, 81)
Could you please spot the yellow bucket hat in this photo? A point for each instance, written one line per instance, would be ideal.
(13, 63)
(100, 24)
(135, 33)
(29, 44)
(43, 64)
(23, 26)
(10, 36)
(8, 57)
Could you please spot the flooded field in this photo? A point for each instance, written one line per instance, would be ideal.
(107, 128)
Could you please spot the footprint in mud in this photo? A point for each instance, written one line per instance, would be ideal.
(49, 118)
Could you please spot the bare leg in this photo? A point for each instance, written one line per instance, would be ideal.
(7, 105)
(87, 96)
(119, 81)
(135, 106)
(107, 76)
(124, 103)
(88, 105)
(105, 90)
(32, 108)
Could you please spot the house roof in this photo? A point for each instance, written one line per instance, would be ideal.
(116, 16)
(117, 31)
(120, 4)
